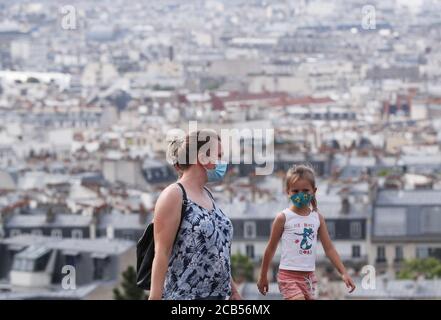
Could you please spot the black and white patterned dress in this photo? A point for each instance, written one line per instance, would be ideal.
(199, 265)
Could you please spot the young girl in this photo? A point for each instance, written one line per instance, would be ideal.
(298, 227)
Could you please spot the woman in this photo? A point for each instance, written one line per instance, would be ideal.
(197, 265)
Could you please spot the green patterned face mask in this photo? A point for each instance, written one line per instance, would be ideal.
(301, 199)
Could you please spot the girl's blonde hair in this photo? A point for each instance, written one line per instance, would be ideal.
(301, 171)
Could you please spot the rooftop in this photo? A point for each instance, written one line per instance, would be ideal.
(78, 293)
(99, 245)
(39, 220)
(402, 198)
(400, 289)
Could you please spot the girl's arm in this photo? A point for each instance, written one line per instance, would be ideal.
(276, 234)
(167, 218)
(332, 254)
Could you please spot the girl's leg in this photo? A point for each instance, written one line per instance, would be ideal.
(309, 287)
(290, 290)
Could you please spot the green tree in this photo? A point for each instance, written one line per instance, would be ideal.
(130, 290)
(430, 268)
(383, 173)
(32, 80)
(242, 268)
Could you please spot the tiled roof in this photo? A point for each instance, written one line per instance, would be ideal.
(307, 100)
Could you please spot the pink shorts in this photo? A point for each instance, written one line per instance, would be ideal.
(297, 283)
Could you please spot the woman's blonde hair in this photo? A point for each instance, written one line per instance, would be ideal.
(183, 152)
(301, 171)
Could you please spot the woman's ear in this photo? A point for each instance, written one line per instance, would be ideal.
(202, 159)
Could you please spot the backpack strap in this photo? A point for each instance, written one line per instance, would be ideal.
(184, 194)
(184, 203)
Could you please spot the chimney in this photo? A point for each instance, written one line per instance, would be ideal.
(50, 215)
(143, 213)
(345, 205)
(110, 232)
(96, 212)
(171, 54)
(386, 108)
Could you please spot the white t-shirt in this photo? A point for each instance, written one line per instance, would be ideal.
(299, 241)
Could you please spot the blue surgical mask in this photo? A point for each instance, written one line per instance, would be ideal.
(301, 199)
(218, 173)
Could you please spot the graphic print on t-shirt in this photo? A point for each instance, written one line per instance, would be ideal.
(306, 240)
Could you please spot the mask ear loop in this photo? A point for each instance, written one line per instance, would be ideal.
(314, 202)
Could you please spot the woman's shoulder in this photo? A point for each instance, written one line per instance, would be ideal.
(168, 204)
(171, 194)
(172, 190)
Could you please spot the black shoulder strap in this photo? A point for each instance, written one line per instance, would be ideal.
(184, 201)
(211, 196)
(184, 194)
(209, 193)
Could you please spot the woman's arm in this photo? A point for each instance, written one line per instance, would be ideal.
(276, 234)
(235, 295)
(167, 218)
(332, 254)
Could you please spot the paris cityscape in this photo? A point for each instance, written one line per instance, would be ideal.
(90, 91)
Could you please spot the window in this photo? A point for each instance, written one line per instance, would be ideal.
(331, 229)
(435, 253)
(14, 232)
(430, 220)
(398, 253)
(127, 236)
(356, 251)
(98, 269)
(21, 264)
(249, 230)
(32, 259)
(77, 234)
(390, 222)
(250, 251)
(381, 254)
(99, 265)
(71, 260)
(57, 233)
(422, 252)
(355, 229)
(41, 262)
(37, 232)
